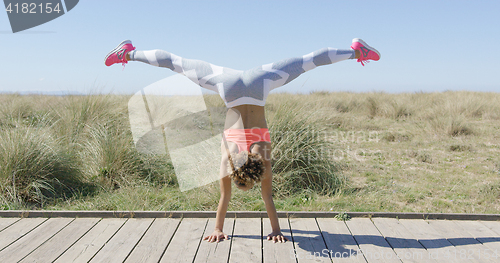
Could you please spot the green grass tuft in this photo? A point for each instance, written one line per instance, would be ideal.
(302, 154)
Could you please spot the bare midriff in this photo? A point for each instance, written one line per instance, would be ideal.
(251, 116)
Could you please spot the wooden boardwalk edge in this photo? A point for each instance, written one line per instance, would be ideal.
(241, 214)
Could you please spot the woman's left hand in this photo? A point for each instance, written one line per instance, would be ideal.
(277, 237)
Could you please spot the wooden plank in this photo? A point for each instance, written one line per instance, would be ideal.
(87, 246)
(402, 241)
(19, 229)
(216, 252)
(308, 242)
(466, 246)
(340, 243)
(6, 222)
(186, 240)
(154, 242)
(246, 245)
(493, 225)
(485, 235)
(438, 247)
(29, 242)
(371, 243)
(55, 246)
(122, 243)
(277, 252)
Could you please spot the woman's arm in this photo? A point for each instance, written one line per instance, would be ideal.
(267, 195)
(270, 208)
(276, 235)
(225, 197)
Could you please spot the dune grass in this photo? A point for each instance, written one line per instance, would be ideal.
(301, 159)
(412, 152)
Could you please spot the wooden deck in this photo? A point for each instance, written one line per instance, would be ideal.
(313, 239)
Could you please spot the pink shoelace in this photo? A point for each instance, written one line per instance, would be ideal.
(125, 58)
(363, 61)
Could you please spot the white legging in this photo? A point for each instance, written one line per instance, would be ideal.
(238, 87)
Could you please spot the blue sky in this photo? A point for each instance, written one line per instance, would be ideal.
(425, 45)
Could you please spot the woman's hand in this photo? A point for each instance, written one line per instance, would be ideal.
(277, 236)
(216, 236)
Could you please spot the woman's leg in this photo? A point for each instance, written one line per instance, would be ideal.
(294, 67)
(200, 72)
(208, 75)
(282, 72)
(289, 69)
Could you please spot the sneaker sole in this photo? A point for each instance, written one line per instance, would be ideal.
(364, 44)
(116, 49)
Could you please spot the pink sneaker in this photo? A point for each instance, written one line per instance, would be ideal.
(118, 54)
(366, 52)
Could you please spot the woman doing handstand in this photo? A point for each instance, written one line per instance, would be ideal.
(244, 93)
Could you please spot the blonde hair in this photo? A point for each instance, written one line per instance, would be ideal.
(248, 168)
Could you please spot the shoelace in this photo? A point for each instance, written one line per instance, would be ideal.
(125, 58)
(363, 61)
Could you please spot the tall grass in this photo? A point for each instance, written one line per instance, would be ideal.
(107, 156)
(54, 148)
(301, 152)
(34, 167)
(76, 115)
(443, 113)
(59, 148)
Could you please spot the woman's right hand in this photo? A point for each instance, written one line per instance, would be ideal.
(216, 236)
